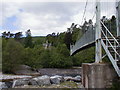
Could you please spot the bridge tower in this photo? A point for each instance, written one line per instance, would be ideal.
(98, 54)
(118, 17)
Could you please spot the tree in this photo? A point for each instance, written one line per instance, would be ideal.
(45, 58)
(113, 26)
(60, 57)
(68, 39)
(18, 35)
(7, 35)
(12, 55)
(28, 39)
(4, 34)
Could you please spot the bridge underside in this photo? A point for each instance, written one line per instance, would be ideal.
(84, 47)
(87, 40)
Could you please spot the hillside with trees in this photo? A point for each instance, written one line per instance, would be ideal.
(52, 51)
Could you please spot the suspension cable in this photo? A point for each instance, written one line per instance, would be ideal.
(84, 11)
(93, 15)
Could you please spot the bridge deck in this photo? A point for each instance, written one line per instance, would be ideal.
(87, 40)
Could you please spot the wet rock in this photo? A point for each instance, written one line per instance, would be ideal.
(3, 85)
(56, 79)
(42, 80)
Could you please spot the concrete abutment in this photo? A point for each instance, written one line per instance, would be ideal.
(98, 75)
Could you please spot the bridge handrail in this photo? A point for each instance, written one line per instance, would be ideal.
(109, 40)
(110, 33)
(110, 43)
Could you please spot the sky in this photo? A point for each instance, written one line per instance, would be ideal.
(47, 16)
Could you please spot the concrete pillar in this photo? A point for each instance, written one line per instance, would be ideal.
(96, 75)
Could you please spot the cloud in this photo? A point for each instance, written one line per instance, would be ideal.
(45, 17)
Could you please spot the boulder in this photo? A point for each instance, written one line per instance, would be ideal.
(75, 79)
(3, 85)
(25, 70)
(9, 84)
(68, 78)
(56, 79)
(20, 82)
(42, 80)
(33, 82)
(78, 78)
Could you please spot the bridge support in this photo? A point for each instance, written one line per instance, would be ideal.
(98, 51)
(118, 17)
(96, 75)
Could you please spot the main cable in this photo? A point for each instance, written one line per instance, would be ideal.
(84, 11)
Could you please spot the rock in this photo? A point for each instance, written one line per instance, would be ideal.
(33, 82)
(78, 77)
(56, 79)
(3, 85)
(9, 84)
(25, 70)
(20, 82)
(24, 67)
(75, 79)
(43, 80)
(68, 78)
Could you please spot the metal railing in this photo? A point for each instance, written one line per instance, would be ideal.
(110, 41)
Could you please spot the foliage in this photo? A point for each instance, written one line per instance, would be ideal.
(12, 55)
(45, 58)
(56, 58)
(7, 35)
(60, 57)
(110, 24)
(28, 39)
(84, 56)
(68, 39)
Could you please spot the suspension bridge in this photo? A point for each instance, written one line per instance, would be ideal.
(101, 37)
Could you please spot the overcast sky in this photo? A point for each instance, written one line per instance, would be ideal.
(43, 18)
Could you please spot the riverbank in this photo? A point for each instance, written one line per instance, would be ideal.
(57, 78)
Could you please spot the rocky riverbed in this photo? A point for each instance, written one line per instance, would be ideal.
(43, 78)
(44, 81)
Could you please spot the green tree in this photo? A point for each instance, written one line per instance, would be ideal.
(68, 38)
(45, 58)
(61, 57)
(84, 56)
(60, 61)
(28, 39)
(12, 55)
